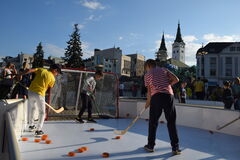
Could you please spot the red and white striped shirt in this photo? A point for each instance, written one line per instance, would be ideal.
(158, 81)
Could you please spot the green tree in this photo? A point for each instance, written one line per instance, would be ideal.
(73, 54)
(38, 56)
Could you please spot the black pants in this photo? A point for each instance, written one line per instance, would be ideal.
(228, 104)
(165, 102)
(86, 103)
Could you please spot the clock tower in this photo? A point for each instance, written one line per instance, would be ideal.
(178, 47)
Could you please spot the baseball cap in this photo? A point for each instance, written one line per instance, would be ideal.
(57, 67)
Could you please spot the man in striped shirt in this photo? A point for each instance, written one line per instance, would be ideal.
(160, 97)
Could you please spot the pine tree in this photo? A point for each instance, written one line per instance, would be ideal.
(73, 54)
(38, 57)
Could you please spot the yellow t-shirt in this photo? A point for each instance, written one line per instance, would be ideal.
(199, 85)
(42, 81)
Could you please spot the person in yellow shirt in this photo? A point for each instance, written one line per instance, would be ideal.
(43, 80)
(199, 89)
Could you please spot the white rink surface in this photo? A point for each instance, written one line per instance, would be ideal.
(196, 144)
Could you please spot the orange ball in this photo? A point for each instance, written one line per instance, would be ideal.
(85, 148)
(105, 155)
(118, 137)
(71, 154)
(24, 139)
(80, 150)
(91, 129)
(37, 140)
(48, 141)
(43, 138)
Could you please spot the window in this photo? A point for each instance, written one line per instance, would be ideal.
(238, 48)
(177, 51)
(232, 48)
(236, 66)
(213, 66)
(228, 62)
(173, 51)
(182, 51)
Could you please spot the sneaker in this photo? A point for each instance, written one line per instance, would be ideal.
(39, 133)
(79, 120)
(32, 128)
(148, 148)
(176, 152)
(90, 120)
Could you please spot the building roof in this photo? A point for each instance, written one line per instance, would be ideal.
(163, 45)
(214, 47)
(178, 35)
(177, 63)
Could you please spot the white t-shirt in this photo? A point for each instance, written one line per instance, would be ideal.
(89, 83)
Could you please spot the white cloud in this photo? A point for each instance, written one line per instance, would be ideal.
(86, 50)
(189, 38)
(53, 50)
(211, 37)
(92, 4)
(168, 36)
(120, 38)
(94, 18)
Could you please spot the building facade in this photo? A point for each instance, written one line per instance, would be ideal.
(137, 65)
(113, 60)
(219, 61)
(178, 47)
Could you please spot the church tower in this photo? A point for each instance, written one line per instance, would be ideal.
(178, 47)
(161, 54)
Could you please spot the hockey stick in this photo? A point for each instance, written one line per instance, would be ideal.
(55, 110)
(227, 124)
(101, 115)
(122, 132)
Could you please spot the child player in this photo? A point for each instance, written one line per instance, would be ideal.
(160, 98)
(87, 95)
(43, 80)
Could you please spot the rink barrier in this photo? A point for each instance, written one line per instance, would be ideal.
(13, 123)
(196, 116)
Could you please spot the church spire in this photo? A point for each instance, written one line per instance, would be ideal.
(163, 46)
(178, 36)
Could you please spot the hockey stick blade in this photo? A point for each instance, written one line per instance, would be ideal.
(55, 110)
(119, 132)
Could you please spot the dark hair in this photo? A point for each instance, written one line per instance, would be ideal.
(150, 63)
(226, 83)
(99, 73)
(8, 64)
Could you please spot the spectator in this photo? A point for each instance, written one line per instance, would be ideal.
(25, 80)
(199, 89)
(227, 95)
(134, 89)
(189, 92)
(236, 93)
(143, 88)
(182, 93)
(8, 73)
(121, 89)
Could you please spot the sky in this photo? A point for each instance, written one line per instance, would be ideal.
(136, 26)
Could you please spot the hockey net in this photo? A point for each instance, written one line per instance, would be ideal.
(67, 93)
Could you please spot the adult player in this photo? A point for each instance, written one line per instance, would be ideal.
(160, 98)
